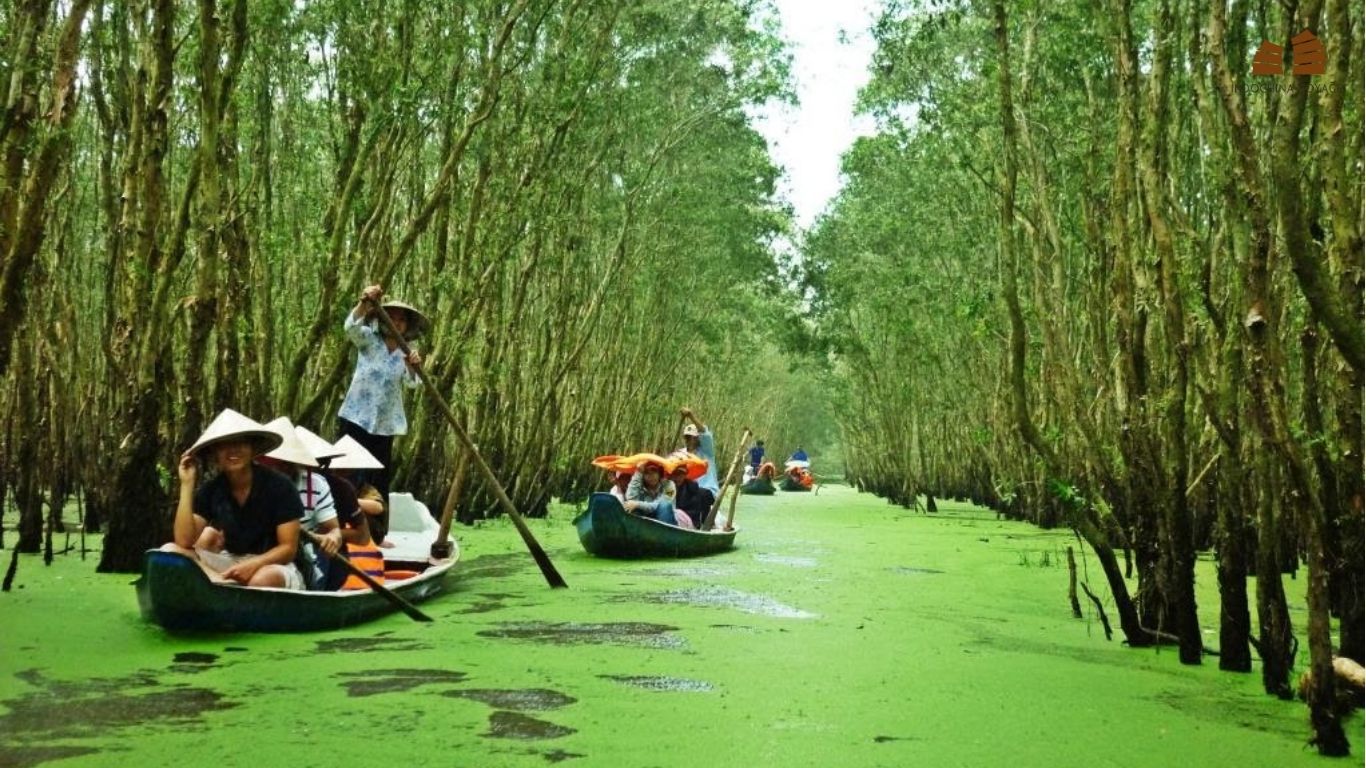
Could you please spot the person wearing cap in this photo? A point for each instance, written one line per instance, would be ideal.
(293, 459)
(651, 493)
(698, 439)
(372, 412)
(242, 525)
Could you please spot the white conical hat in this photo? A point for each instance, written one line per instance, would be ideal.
(291, 448)
(418, 323)
(354, 456)
(229, 425)
(318, 447)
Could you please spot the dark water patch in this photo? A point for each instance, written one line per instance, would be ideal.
(235, 649)
(796, 562)
(573, 633)
(521, 700)
(739, 627)
(94, 707)
(723, 597)
(885, 739)
(498, 595)
(560, 755)
(195, 658)
(514, 725)
(495, 566)
(1257, 714)
(483, 607)
(371, 683)
(655, 683)
(24, 757)
(366, 644)
(911, 571)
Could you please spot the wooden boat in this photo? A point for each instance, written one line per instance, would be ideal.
(174, 592)
(606, 530)
(761, 486)
(788, 484)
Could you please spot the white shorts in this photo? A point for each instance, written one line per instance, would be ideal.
(222, 561)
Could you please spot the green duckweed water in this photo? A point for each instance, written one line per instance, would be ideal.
(841, 631)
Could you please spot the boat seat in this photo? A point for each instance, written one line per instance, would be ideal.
(412, 529)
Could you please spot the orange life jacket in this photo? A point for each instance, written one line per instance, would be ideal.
(368, 558)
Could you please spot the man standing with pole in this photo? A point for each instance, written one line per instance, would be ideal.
(697, 439)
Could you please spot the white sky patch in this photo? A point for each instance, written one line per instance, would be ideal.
(807, 140)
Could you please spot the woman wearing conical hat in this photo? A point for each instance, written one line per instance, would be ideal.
(372, 412)
(254, 510)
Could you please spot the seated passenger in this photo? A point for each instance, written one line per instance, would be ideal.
(242, 525)
(692, 502)
(355, 531)
(319, 517)
(620, 481)
(355, 464)
(650, 494)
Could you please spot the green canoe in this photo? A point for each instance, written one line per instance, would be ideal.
(761, 486)
(174, 592)
(788, 484)
(606, 530)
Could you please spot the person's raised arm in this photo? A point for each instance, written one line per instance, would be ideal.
(690, 416)
(369, 299)
(188, 525)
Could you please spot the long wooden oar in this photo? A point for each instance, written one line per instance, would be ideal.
(441, 548)
(380, 589)
(730, 473)
(552, 576)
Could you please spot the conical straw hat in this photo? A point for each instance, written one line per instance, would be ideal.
(354, 456)
(318, 447)
(230, 425)
(291, 448)
(418, 323)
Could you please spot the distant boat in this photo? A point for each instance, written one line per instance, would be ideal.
(760, 486)
(607, 530)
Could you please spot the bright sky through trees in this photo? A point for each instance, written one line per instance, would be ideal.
(831, 48)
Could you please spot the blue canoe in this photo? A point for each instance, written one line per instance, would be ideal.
(606, 530)
(174, 592)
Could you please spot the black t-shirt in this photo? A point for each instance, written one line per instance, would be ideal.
(344, 500)
(249, 529)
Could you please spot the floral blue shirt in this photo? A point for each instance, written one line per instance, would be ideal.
(374, 401)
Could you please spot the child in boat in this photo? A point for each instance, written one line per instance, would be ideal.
(351, 465)
(620, 481)
(355, 531)
(243, 524)
(293, 459)
(650, 494)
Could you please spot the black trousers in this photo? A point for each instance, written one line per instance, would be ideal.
(380, 445)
